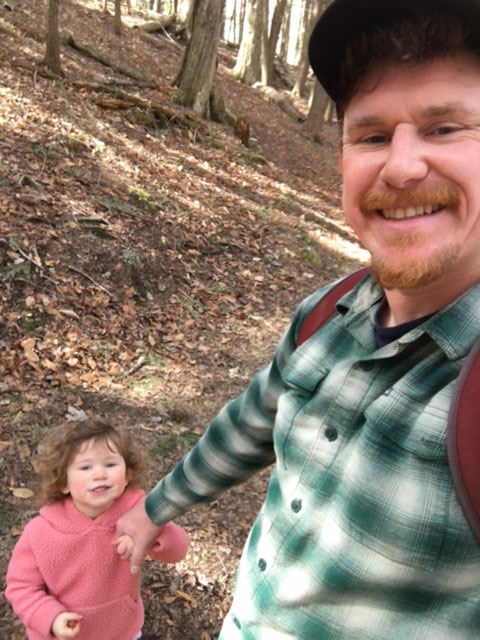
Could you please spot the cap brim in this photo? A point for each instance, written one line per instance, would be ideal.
(344, 19)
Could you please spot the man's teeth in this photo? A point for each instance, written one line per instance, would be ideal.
(410, 212)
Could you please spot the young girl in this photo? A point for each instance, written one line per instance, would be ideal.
(65, 578)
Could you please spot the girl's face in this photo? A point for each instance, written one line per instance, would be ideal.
(96, 477)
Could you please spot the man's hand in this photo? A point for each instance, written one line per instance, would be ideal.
(136, 524)
(66, 625)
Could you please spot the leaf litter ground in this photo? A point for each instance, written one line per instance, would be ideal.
(148, 268)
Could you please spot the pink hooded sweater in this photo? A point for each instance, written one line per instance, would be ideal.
(65, 561)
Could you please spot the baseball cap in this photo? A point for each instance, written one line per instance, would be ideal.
(345, 19)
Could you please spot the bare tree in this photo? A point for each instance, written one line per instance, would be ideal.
(117, 18)
(312, 11)
(319, 109)
(285, 32)
(105, 6)
(52, 51)
(196, 79)
(184, 18)
(248, 65)
(275, 26)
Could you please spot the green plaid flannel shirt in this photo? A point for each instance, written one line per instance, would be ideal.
(361, 536)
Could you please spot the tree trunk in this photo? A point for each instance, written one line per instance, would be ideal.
(117, 18)
(184, 15)
(248, 68)
(52, 51)
(316, 116)
(241, 20)
(266, 65)
(311, 15)
(275, 27)
(196, 80)
(285, 32)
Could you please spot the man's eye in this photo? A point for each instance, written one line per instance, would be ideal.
(444, 130)
(377, 138)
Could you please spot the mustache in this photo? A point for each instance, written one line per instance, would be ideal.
(444, 195)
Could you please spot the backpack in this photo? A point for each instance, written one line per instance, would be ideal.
(463, 430)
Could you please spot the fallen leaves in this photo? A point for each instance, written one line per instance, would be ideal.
(28, 345)
(22, 493)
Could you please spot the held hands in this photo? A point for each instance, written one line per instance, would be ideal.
(66, 625)
(125, 546)
(137, 525)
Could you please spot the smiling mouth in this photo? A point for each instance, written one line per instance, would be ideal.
(103, 487)
(409, 212)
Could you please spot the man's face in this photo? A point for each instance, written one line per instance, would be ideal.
(410, 160)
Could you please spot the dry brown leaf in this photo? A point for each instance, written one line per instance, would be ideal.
(22, 492)
(69, 313)
(183, 595)
(48, 364)
(157, 585)
(28, 345)
(169, 599)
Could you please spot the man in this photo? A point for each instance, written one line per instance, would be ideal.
(361, 536)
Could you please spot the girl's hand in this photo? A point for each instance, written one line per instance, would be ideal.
(66, 625)
(125, 546)
(136, 524)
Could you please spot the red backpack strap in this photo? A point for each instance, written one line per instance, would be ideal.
(463, 439)
(325, 308)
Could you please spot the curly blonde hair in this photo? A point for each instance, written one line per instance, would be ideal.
(56, 451)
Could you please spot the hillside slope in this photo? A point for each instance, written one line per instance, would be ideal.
(148, 267)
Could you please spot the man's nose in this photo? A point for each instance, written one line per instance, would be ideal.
(406, 160)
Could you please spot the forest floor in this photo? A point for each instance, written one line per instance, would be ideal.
(147, 268)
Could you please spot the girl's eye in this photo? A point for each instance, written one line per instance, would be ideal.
(85, 467)
(111, 464)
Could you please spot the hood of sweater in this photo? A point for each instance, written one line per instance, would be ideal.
(65, 517)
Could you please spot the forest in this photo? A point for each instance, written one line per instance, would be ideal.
(169, 193)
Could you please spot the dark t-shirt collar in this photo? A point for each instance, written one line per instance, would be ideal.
(385, 335)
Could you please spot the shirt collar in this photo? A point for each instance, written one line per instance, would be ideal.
(454, 328)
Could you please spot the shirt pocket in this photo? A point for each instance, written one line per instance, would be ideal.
(405, 487)
(298, 421)
(415, 425)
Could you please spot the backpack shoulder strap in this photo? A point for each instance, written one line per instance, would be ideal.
(325, 308)
(463, 439)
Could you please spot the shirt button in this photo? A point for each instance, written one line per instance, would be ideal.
(262, 565)
(331, 433)
(236, 622)
(367, 366)
(296, 505)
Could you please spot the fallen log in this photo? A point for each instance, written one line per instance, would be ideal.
(136, 75)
